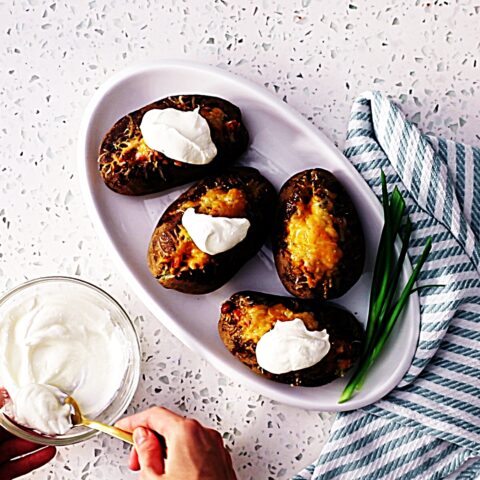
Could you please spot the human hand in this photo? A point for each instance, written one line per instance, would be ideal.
(192, 450)
(33, 456)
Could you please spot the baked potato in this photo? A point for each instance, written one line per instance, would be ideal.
(128, 166)
(246, 316)
(318, 241)
(173, 257)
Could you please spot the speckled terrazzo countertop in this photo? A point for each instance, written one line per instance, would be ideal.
(315, 55)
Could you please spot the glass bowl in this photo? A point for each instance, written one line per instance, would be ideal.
(124, 394)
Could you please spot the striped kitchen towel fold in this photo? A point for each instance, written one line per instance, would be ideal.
(429, 426)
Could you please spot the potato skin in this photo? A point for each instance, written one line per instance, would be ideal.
(128, 166)
(345, 331)
(318, 241)
(174, 259)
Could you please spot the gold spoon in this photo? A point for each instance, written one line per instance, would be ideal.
(79, 419)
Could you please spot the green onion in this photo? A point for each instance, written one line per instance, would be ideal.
(385, 307)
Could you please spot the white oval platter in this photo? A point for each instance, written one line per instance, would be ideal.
(282, 143)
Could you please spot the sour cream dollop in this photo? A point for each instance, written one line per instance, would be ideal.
(179, 135)
(43, 408)
(214, 235)
(289, 346)
(64, 339)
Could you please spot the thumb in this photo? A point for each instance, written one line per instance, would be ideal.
(149, 452)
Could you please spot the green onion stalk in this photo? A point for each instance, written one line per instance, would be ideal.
(385, 304)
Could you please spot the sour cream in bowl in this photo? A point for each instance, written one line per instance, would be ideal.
(60, 334)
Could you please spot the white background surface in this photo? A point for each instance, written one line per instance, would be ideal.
(317, 55)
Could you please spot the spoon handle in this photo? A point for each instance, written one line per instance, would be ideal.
(113, 431)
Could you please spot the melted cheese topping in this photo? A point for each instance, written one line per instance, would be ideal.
(257, 320)
(130, 140)
(142, 149)
(128, 148)
(219, 203)
(187, 255)
(312, 241)
(215, 202)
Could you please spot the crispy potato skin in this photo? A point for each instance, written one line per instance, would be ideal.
(237, 323)
(174, 259)
(128, 166)
(318, 241)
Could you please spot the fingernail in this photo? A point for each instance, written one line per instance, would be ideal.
(139, 435)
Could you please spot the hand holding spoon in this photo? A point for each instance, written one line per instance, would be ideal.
(79, 419)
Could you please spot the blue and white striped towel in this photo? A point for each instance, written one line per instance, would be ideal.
(429, 426)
